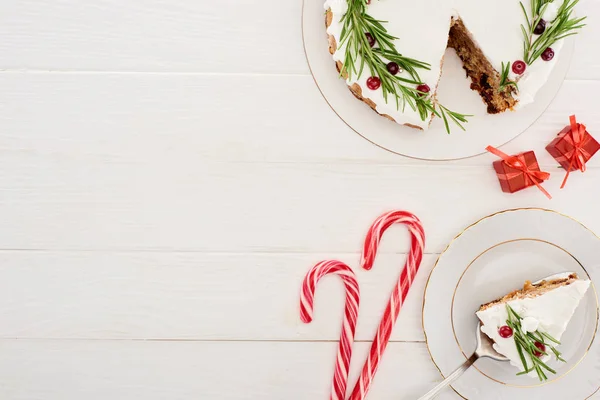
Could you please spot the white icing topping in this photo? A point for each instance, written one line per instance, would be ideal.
(530, 324)
(551, 311)
(551, 11)
(422, 28)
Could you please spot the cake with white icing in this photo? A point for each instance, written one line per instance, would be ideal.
(527, 325)
(391, 52)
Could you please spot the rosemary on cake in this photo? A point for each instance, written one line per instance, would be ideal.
(534, 344)
(540, 34)
(505, 82)
(360, 33)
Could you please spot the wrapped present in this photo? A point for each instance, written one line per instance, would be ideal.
(573, 147)
(519, 171)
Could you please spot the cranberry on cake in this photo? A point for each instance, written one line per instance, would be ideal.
(391, 52)
(527, 325)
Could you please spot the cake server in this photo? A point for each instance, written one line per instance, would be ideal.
(484, 349)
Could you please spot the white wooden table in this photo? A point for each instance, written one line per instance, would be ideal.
(168, 174)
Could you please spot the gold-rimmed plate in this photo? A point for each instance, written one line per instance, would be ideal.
(454, 91)
(491, 258)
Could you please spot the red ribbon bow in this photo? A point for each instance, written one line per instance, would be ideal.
(518, 162)
(577, 155)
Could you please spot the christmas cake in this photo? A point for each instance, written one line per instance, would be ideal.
(391, 52)
(527, 325)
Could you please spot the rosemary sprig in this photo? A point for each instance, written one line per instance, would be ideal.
(504, 81)
(526, 344)
(457, 118)
(563, 26)
(356, 23)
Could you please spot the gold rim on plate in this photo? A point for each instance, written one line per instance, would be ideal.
(312, 74)
(512, 241)
(450, 244)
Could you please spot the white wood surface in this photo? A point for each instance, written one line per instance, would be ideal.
(168, 174)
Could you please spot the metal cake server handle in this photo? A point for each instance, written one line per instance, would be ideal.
(484, 349)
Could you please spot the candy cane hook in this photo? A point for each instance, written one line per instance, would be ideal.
(340, 377)
(399, 292)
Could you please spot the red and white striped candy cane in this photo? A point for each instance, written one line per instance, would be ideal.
(399, 293)
(340, 377)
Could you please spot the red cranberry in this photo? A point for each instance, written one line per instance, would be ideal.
(548, 54)
(393, 68)
(370, 39)
(541, 347)
(373, 83)
(505, 331)
(519, 67)
(540, 27)
(424, 88)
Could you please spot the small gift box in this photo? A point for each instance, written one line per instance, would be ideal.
(519, 171)
(573, 147)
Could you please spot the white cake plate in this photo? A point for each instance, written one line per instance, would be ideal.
(491, 258)
(454, 91)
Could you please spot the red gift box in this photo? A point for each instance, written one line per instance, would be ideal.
(519, 171)
(573, 147)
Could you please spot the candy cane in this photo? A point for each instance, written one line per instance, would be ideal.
(340, 377)
(392, 310)
(399, 293)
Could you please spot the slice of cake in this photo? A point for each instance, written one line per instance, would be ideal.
(526, 325)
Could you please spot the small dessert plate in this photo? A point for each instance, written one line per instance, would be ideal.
(490, 258)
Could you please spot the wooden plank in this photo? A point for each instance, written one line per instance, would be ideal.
(155, 295)
(225, 36)
(586, 65)
(125, 370)
(181, 203)
(159, 118)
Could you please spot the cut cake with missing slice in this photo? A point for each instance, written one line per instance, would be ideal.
(422, 31)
